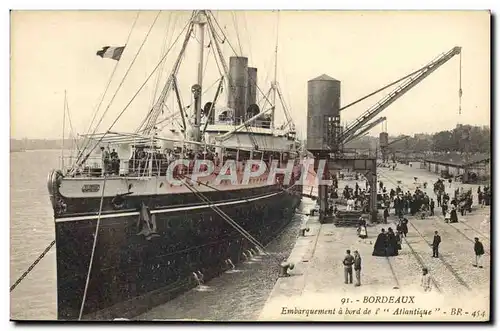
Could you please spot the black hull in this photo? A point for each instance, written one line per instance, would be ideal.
(133, 272)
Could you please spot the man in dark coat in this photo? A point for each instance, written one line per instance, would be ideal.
(431, 206)
(348, 262)
(404, 227)
(357, 268)
(479, 251)
(435, 244)
(379, 249)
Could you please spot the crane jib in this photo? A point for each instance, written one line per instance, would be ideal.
(411, 80)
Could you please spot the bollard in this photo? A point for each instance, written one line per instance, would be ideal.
(284, 267)
(303, 231)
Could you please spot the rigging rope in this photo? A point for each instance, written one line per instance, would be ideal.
(177, 113)
(98, 222)
(228, 219)
(385, 87)
(152, 116)
(460, 85)
(138, 91)
(230, 46)
(235, 23)
(96, 110)
(163, 50)
(222, 214)
(126, 73)
(72, 131)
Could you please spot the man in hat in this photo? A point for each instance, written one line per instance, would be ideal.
(357, 268)
(479, 251)
(348, 262)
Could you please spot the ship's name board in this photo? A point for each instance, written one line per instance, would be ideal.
(89, 188)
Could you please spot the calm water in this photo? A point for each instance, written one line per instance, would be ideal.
(233, 296)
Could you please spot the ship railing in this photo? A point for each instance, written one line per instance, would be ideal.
(257, 123)
(93, 167)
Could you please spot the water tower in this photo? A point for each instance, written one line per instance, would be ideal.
(384, 143)
(323, 129)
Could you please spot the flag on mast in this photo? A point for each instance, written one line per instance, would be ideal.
(108, 52)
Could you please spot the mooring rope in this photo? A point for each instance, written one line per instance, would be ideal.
(93, 250)
(20, 279)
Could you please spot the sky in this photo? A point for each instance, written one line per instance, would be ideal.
(55, 51)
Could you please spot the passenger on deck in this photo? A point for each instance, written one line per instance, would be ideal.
(379, 249)
(105, 161)
(115, 163)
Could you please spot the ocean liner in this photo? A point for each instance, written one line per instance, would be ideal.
(132, 230)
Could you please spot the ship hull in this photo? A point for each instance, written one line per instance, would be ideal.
(136, 266)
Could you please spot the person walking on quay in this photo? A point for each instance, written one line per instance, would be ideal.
(392, 243)
(435, 244)
(453, 214)
(426, 280)
(357, 268)
(479, 251)
(444, 208)
(404, 227)
(380, 247)
(480, 198)
(431, 206)
(439, 199)
(348, 262)
(386, 214)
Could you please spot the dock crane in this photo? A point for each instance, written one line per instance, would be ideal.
(365, 129)
(407, 83)
(385, 148)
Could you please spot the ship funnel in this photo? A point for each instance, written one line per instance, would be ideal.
(238, 85)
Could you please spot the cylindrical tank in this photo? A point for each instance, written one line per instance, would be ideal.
(383, 139)
(323, 105)
(252, 86)
(238, 84)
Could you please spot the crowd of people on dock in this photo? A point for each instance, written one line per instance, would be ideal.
(403, 205)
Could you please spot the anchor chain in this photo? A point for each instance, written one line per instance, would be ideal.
(32, 265)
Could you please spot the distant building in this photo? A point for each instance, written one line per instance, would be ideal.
(455, 164)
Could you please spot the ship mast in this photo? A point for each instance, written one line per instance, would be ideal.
(200, 21)
(275, 80)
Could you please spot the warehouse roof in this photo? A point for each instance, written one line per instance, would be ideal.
(457, 159)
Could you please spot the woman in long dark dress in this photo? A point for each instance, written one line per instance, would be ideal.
(392, 243)
(380, 247)
(453, 215)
